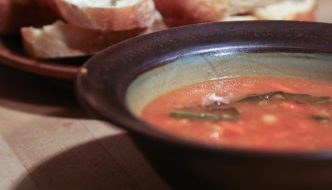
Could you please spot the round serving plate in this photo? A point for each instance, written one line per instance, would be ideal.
(12, 54)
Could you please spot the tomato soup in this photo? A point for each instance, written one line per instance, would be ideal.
(266, 113)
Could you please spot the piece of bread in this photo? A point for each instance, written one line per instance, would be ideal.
(183, 12)
(61, 40)
(15, 14)
(107, 14)
(158, 25)
(176, 13)
(304, 10)
(238, 18)
(240, 7)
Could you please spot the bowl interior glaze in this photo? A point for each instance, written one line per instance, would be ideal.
(192, 69)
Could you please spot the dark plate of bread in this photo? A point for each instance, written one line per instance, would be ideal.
(54, 38)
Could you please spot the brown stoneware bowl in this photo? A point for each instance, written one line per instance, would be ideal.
(116, 84)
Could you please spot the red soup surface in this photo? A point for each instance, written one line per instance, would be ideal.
(266, 113)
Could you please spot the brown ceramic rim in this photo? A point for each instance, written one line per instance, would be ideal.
(102, 84)
(45, 68)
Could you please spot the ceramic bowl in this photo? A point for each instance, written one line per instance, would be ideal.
(116, 84)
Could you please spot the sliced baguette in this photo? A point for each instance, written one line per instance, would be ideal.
(15, 14)
(304, 10)
(183, 12)
(61, 40)
(176, 13)
(107, 14)
(239, 18)
(235, 7)
(157, 25)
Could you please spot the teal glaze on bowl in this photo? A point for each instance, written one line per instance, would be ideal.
(193, 69)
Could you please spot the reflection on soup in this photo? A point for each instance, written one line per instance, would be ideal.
(268, 113)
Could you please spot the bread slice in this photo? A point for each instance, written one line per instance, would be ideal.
(107, 14)
(61, 40)
(17, 13)
(239, 18)
(183, 12)
(304, 10)
(158, 25)
(176, 12)
(236, 7)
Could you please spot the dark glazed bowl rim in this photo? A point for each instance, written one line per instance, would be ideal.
(103, 81)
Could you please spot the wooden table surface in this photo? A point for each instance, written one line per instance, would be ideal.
(48, 143)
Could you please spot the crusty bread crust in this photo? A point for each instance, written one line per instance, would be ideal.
(307, 15)
(17, 13)
(184, 12)
(138, 15)
(61, 40)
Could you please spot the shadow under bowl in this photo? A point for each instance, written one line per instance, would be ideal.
(116, 84)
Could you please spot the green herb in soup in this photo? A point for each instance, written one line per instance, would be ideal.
(217, 111)
(204, 113)
(285, 96)
(320, 118)
(268, 113)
